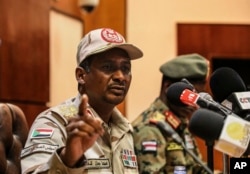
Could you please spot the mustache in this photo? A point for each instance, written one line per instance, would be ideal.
(118, 85)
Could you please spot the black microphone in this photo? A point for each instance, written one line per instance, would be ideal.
(168, 131)
(231, 133)
(230, 90)
(179, 94)
(177, 88)
(206, 124)
(224, 81)
(204, 100)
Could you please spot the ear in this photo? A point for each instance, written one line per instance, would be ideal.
(166, 84)
(80, 75)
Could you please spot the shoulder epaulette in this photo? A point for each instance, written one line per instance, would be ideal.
(66, 111)
(157, 116)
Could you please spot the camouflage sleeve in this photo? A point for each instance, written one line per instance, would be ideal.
(150, 148)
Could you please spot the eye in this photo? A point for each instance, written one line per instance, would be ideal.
(107, 67)
(126, 69)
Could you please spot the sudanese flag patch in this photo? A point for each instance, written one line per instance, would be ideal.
(42, 133)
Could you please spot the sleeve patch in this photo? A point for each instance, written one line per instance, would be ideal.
(42, 133)
(47, 148)
(174, 146)
(149, 146)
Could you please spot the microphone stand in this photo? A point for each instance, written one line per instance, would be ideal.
(196, 159)
(210, 154)
(225, 164)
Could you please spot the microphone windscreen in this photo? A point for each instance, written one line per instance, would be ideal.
(224, 81)
(174, 92)
(206, 124)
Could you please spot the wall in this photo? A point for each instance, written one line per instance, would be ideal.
(63, 46)
(151, 25)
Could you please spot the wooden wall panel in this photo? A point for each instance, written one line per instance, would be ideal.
(67, 7)
(24, 54)
(24, 50)
(213, 39)
(106, 14)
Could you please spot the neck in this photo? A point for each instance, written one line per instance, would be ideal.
(163, 97)
(105, 112)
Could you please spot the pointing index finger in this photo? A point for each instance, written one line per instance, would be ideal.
(82, 111)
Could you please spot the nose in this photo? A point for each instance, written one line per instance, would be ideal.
(119, 76)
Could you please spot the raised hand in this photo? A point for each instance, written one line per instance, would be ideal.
(82, 131)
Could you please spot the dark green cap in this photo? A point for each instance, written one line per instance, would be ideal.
(190, 66)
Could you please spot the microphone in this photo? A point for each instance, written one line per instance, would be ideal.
(177, 88)
(180, 94)
(224, 81)
(228, 87)
(231, 134)
(239, 102)
(167, 130)
(191, 98)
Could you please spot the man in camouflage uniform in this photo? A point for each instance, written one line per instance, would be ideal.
(87, 133)
(156, 152)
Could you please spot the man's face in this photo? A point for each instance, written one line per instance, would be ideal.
(109, 77)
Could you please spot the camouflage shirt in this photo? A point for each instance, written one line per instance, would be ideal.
(158, 153)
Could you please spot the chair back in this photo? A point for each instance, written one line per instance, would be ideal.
(13, 134)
